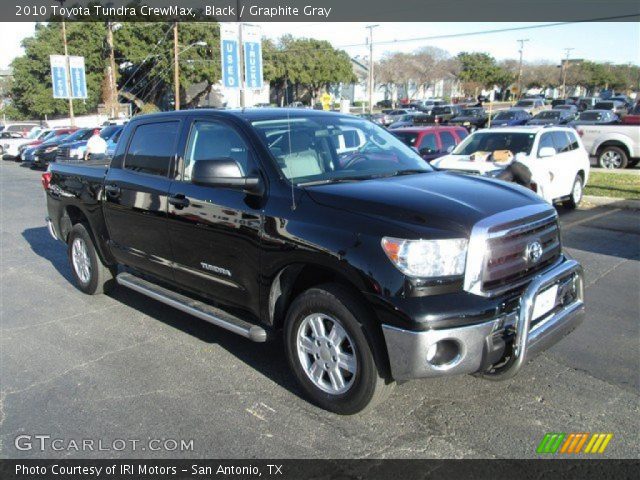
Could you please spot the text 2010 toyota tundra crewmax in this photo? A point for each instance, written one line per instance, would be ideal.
(328, 230)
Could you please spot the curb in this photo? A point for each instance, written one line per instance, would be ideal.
(626, 203)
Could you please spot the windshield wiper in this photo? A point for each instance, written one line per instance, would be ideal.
(411, 171)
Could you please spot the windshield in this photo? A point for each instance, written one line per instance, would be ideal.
(524, 103)
(470, 112)
(324, 149)
(603, 106)
(547, 114)
(492, 141)
(34, 133)
(505, 116)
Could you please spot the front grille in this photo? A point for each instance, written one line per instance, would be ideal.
(506, 265)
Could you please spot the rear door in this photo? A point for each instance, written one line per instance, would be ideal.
(136, 194)
(215, 232)
(564, 167)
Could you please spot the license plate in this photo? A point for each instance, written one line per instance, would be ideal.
(545, 301)
(36, 158)
(466, 124)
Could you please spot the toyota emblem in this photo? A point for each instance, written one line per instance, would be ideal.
(533, 252)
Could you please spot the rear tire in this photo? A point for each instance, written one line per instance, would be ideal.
(612, 158)
(576, 194)
(90, 274)
(332, 351)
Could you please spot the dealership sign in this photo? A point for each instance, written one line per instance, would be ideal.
(68, 72)
(252, 57)
(230, 56)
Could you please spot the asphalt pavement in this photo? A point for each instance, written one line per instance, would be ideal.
(124, 367)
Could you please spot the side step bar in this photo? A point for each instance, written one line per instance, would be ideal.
(193, 307)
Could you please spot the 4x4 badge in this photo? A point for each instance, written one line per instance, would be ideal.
(533, 252)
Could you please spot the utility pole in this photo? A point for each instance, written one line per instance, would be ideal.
(66, 60)
(371, 27)
(176, 67)
(565, 66)
(522, 42)
(113, 90)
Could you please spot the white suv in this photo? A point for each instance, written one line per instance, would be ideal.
(556, 157)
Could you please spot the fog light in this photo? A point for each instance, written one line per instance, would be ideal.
(443, 353)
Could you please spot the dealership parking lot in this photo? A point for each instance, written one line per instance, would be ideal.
(126, 367)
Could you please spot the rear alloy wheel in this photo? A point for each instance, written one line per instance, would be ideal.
(576, 194)
(612, 157)
(90, 274)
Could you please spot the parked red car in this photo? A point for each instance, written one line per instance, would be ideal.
(431, 142)
(55, 133)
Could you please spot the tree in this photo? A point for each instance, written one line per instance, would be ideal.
(147, 51)
(306, 64)
(477, 70)
(31, 91)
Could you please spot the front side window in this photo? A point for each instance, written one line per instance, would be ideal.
(151, 148)
(210, 140)
(573, 141)
(546, 140)
(309, 149)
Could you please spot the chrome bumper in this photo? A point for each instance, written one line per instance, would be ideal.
(408, 350)
(52, 230)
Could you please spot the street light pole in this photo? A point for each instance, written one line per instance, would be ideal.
(522, 42)
(371, 27)
(176, 68)
(565, 65)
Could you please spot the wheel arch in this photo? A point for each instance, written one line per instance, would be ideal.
(73, 214)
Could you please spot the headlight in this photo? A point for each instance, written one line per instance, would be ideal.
(427, 258)
(50, 149)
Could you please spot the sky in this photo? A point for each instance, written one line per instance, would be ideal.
(617, 42)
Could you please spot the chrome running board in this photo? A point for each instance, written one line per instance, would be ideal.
(205, 312)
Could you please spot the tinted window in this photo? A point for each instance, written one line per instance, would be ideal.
(546, 141)
(152, 147)
(561, 141)
(429, 141)
(211, 141)
(462, 133)
(447, 140)
(573, 141)
(408, 138)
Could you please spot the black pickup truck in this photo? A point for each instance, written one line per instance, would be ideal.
(328, 230)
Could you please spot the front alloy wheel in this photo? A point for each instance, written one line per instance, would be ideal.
(80, 260)
(326, 353)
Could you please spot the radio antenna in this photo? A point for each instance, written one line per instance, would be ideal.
(289, 167)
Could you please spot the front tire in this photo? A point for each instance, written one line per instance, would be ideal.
(331, 351)
(612, 157)
(90, 274)
(576, 194)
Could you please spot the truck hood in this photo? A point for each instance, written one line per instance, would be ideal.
(440, 200)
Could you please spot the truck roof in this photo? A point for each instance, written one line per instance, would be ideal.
(249, 114)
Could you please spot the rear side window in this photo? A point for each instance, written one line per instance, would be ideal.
(462, 133)
(429, 142)
(152, 147)
(447, 140)
(573, 141)
(561, 141)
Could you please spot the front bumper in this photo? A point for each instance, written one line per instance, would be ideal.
(476, 348)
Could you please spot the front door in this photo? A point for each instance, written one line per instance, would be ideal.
(215, 232)
(136, 199)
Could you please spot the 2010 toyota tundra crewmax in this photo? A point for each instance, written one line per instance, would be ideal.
(328, 230)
